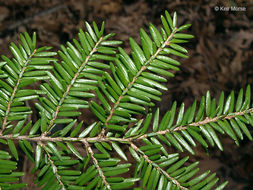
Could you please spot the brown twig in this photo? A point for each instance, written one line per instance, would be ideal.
(101, 173)
(62, 139)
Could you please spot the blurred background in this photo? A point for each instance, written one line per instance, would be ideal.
(221, 55)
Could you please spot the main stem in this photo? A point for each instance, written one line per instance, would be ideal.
(125, 140)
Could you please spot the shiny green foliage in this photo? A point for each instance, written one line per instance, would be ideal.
(28, 65)
(59, 170)
(8, 176)
(138, 80)
(74, 80)
(129, 144)
(202, 122)
(162, 173)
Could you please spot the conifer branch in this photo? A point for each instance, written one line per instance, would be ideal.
(143, 68)
(157, 167)
(14, 92)
(101, 173)
(203, 122)
(54, 168)
(121, 94)
(51, 123)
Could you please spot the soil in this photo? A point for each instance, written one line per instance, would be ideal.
(221, 54)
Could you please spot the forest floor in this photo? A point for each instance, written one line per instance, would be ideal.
(221, 54)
